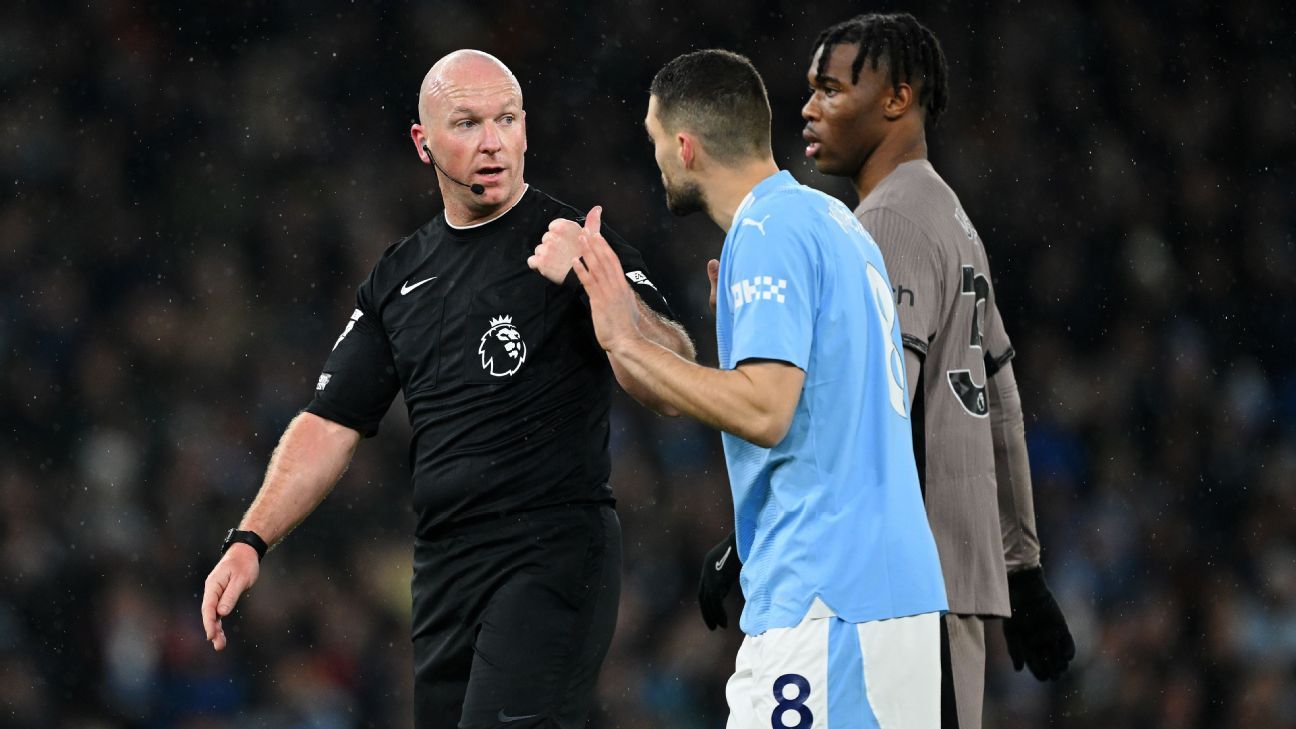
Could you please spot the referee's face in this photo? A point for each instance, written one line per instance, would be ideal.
(844, 119)
(474, 125)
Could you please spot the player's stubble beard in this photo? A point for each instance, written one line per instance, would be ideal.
(685, 198)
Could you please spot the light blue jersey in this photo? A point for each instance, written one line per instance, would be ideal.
(834, 510)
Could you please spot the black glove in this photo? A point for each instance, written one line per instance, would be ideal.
(1037, 632)
(719, 573)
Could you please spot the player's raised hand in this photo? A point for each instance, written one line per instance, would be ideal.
(713, 273)
(553, 257)
(232, 575)
(613, 306)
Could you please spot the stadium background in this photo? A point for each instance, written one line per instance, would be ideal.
(191, 195)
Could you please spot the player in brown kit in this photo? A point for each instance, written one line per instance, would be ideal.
(875, 82)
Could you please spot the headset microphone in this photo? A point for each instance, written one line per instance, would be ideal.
(476, 187)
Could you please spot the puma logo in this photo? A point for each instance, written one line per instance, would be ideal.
(758, 225)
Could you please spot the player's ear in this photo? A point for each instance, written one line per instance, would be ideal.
(687, 149)
(898, 102)
(522, 121)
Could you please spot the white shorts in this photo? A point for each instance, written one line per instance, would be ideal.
(826, 673)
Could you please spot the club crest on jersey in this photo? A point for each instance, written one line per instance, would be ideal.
(502, 348)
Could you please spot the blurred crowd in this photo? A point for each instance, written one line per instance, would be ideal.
(192, 193)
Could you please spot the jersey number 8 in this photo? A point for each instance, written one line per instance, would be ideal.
(794, 705)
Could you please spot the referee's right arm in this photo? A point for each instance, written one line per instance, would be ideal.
(311, 457)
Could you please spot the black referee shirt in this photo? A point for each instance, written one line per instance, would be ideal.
(507, 388)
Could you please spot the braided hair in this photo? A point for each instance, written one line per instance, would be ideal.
(912, 53)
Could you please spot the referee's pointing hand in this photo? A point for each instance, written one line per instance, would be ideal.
(613, 306)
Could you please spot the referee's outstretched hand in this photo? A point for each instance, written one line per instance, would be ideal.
(232, 575)
(614, 307)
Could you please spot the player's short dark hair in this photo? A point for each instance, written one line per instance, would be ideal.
(912, 53)
(719, 96)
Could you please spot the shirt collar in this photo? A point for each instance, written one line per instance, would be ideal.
(502, 213)
(782, 178)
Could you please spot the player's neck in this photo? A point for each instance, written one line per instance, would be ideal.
(890, 154)
(725, 191)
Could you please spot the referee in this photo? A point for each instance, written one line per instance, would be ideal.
(475, 319)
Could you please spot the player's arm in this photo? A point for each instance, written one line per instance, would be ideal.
(552, 259)
(1012, 472)
(311, 457)
(913, 371)
(656, 322)
(754, 401)
(665, 333)
(1036, 632)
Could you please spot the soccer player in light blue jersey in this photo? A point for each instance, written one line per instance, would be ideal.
(840, 571)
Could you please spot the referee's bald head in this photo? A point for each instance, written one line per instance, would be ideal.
(718, 96)
(462, 74)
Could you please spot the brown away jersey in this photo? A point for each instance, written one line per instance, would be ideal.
(941, 275)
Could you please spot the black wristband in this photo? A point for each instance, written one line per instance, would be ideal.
(252, 539)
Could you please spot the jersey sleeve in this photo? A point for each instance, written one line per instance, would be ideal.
(998, 349)
(915, 272)
(359, 380)
(773, 283)
(636, 272)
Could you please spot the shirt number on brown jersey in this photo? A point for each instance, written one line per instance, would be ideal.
(971, 395)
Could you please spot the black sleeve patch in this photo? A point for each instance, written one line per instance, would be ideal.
(994, 364)
(915, 344)
(637, 274)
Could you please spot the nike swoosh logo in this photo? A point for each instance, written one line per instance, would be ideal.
(407, 287)
(506, 718)
(720, 562)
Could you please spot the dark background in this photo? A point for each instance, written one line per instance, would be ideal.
(190, 196)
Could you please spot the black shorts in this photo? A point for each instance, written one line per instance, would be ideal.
(513, 617)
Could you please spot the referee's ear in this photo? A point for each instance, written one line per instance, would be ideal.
(420, 140)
